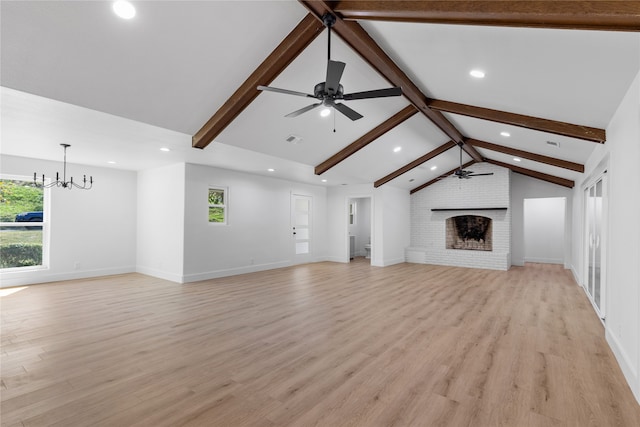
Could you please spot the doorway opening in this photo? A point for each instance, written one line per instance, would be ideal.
(544, 230)
(359, 230)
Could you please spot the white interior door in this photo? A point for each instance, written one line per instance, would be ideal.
(301, 223)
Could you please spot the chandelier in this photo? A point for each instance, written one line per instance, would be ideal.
(63, 182)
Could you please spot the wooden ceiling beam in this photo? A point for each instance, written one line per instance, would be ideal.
(406, 168)
(444, 175)
(534, 174)
(535, 123)
(527, 155)
(579, 15)
(366, 139)
(292, 45)
(360, 41)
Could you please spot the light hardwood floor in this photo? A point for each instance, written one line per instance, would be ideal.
(321, 344)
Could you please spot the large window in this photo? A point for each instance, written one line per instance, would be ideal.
(218, 205)
(22, 220)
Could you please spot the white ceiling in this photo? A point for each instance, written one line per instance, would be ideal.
(119, 90)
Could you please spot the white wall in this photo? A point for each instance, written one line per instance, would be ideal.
(428, 244)
(160, 222)
(544, 221)
(258, 235)
(92, 233)
(396, 223)
(524, 187)
(621, 156)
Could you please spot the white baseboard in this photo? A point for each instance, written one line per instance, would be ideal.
(545, 260)
(43, 275)
(388, 262)
(172, 277)
(233, 271)
(576, 276)
(628, 369)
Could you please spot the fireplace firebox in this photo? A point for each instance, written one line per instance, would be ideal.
(469, 232)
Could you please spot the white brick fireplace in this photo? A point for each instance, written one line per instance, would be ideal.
(486, 196)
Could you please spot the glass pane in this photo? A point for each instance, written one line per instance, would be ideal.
(216, 214)
(20, 201)
(591, 236)
(216, 196)
(302, 248)
(597, 228)
(302, 234)
(302, 219)
(20, 246)
(302, 205)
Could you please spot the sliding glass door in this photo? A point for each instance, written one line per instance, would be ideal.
(594, 244)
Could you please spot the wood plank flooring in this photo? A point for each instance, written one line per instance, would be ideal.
(322, 344)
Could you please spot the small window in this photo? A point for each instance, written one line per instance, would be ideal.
(22, 222)
(218, 205)
(352, 213)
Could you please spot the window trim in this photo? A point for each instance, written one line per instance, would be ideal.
(45, 224)
(224, 206)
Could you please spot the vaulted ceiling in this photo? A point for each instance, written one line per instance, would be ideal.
(184, 74)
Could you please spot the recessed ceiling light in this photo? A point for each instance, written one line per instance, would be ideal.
(505, 134)
(324, 180)
(325, 112)
(124, 9)
(111, 162)
(397, 149)
(164, 149)
(515, 159)
(434, 168)
(478, 74)
(271, 170)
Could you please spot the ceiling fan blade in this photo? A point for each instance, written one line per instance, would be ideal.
(285, 91)
(352, 114)
(304, 110)
(480, 174)
(378, 93)
(334, 74)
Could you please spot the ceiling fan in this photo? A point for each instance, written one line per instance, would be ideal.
(463, 174)
(329, 91)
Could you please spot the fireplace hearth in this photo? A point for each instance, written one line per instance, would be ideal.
(469, 232)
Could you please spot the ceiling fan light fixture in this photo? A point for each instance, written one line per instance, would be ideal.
(325, 112)
(478, 74)
(124, 9)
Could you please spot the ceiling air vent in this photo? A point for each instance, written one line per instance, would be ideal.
(553, 144)
(294, 139)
